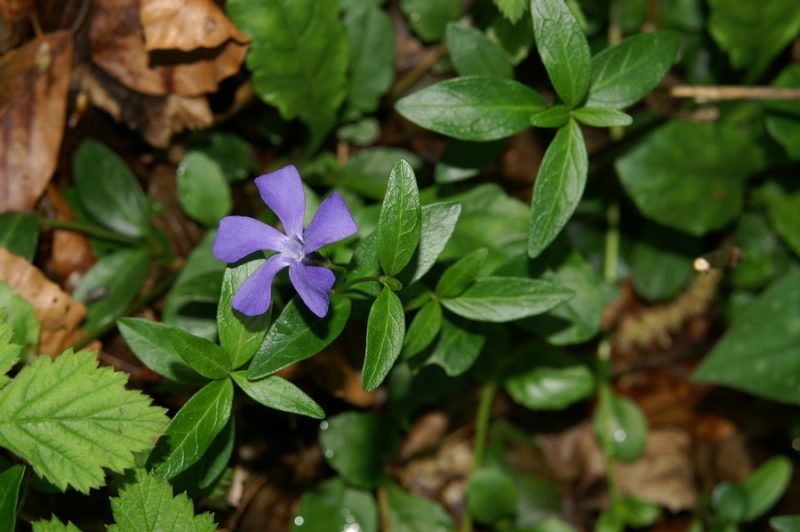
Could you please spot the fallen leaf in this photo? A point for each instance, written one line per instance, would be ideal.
(118, 47)
(186, 25)
(333, 371)
(72, 255)
(58, 313)
(425, 433)
(15, 10)
(34, 82)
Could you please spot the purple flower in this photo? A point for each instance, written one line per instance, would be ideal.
(239, 236)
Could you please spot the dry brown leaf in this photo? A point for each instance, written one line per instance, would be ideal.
(72, 255)
(58, 313)
(333, 371)
(118, 47)
(15, 10)
(185, 25)
(34, 81)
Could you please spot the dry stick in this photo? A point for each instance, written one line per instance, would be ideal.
(415, 74)
(721, 93)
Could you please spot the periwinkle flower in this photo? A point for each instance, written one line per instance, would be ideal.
(239, 236)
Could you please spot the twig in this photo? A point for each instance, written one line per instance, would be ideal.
(722, 93)
(415, 74)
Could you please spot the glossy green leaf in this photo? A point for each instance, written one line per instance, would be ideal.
(371, 70)
(335, 506)
(298, 334)
(558, 188)
(690, 175)
(299, 54)
(19, 233)
(563, 48)
(386, 327)
(473, 54)
(477, 108)
(551, 388)
(625, 73)
(785, 523)
(462, 159)
(620, 423)
(279, 394)
(555, 116)
(239, 335)
(784, 215)
(661, 260)
(786, 131)
(437, 225)
(411, 513)
(10, 482)
(491, 495)
(461, 274)
(765, 486)
(729, 502)
(208, 471)
(361, 133)
(367, 172)
(760, 352)
(602, 117)
(108, 190)
(193, 429)
(789, 77)
(763, 256)
(429, 18)
(232, 153)
(148, 341)
(423, 329)
(458, 347)
(400, 219)
(358, 445)
(512, 9)
(205, 357)
(111, 285)
(203, 191)
(20, 317)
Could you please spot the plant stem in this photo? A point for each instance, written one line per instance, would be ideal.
(611, 251)
(89, 229)
(415, 74)
(481, 439)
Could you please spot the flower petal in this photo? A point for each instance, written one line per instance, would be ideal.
(282, 191)
(255, 295)
(313, 284)
(332, 222)
(239, 236)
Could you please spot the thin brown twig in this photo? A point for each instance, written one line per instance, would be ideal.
(722, 93)
(415, 74)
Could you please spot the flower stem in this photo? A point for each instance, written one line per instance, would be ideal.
(481, 439)
(89, 229)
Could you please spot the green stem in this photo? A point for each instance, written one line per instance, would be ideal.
(481, 439)
(89, 229)
(611, 251)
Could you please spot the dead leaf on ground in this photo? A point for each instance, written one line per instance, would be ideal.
(15, 10)
(58, 313)
(118, 47)
(333, 371)
(72, 255)
(186, 25)
(34, 82)
(441, 476)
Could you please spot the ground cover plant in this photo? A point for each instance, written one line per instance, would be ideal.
(405, 265)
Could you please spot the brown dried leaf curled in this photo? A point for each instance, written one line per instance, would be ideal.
(186, 25)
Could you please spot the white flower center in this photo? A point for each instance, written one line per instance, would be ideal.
(294, 249)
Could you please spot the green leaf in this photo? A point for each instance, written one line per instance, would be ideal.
(411, 513)
(477, 108)
(367, 172)
(371, 71)
(473, 54)
(111, 285)
(206, 358)
(788, 78)
(500, 299)
(437, 226)
(558, 188)
(147, 341)
(147, 503)
(555, 116)
(516, 39)
(760, 353)
(785, 218)
(386, 327)
(763, 256)
(20, 317)
(298, 56)
(429, 18)
(298, 334)
(54, 525)
(765, 486)
(19, 233)
(690, 175)
(423, 329)
(239, 335)
(512, 9)
(462, 159)
(358, 445)
(661, 260)
(625, 73)
(753, 33)
(232, 153)
(620, 423)
(335, 506)
(785, 523)
(201, 477)
(400, 219)
(70, 419)
(786, 131)
(203, 191)
(729, 502)
(458, 347)
(361, 133)
(563, 48)
(551, 388)
(460, 275)
(108, 190)
(10, 481)
(279, 394)
(491, 495)
(601, 117)
(193, 429)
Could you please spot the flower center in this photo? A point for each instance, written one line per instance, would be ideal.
(294, 249)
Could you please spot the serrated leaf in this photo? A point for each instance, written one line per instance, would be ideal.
(563, 48)
(54, 525)
(298, 334)
(148, 341)
(458, 347)
(600, 117)
(477, 108)
(108, 190)
(333, 505)
(280, 394)
(400, 219)
(147, 505)
(386, 329)
(460, 275)
(512, 9)
(206, 358)
(298, 55)
(203, 191)
(428, 18)
(625, 73)
(70, 419)
(558, 188)
(438, 221)
(19, 233)
(20, 317)
(423, 329)
(10, 481)
(193, 429)
(473, 54)
(412, 513)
